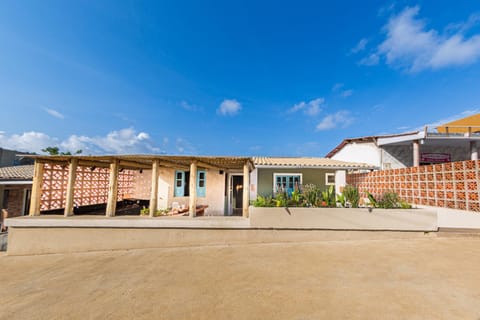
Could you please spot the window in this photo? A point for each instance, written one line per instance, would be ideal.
(182, 183)
(287, 182)
(330, 179)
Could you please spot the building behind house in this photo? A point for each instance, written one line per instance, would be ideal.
(454, 141)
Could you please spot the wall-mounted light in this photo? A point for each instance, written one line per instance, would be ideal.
(93, 168)
(220, 172)
(141, 170)
(121, 170)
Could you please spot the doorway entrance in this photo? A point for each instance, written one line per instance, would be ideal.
(236, 198)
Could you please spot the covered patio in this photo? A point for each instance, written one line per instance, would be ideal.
(67, 184)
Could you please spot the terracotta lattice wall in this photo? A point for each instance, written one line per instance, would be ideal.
(450, 185)
(91, 187)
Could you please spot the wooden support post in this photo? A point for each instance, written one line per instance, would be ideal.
(416, 153)
(72, 174)
(246, 189)
(193, 189)
(36, 189)
(154, 191)
(112, 189)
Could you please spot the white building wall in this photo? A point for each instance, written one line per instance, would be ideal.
(366, 152)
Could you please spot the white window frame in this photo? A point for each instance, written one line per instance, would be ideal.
(327, 175)
(275, 174)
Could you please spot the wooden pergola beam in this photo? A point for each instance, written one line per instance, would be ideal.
(208, 166)
(112, 189)
(72, 174)
(154, 190)
(192, 200)
(36, 189)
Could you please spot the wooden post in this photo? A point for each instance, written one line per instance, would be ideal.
(112, 189)
(72, 174)
(416, 153)
(246, 190)
(193, 189)
(154, 191)
(36, 189)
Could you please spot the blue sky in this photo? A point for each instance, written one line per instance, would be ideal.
(231, 78)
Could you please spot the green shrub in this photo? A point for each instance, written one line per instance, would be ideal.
(389, 200)
(311, 192)
(263, 202)
(351, 195)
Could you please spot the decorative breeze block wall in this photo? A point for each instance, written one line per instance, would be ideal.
(450, 185)
(91, 187)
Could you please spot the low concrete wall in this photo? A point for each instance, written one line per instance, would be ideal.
(344, 219)
(451, 218)
(28, 241)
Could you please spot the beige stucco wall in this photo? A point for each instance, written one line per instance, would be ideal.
(215, 191)
(27, 241)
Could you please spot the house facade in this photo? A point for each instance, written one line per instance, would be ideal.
(66, 183)
(272, 174)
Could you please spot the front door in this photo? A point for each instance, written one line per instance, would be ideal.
(237, 195)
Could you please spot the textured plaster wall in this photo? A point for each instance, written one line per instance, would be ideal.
(265, 178)
(366, 152)
(215, 191)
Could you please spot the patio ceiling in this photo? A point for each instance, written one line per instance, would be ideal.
(137, 162)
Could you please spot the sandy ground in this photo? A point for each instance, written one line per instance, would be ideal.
(433, 278)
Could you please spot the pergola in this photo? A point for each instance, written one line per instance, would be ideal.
(117, 163)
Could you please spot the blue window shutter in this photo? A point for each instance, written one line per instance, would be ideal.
(179, 190)
(201, 183)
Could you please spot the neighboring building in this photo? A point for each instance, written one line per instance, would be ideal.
(13, 158)
(454, 141)
(272, 174)
(15, 189)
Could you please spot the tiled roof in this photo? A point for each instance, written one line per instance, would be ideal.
(17, 173)
(309, 162)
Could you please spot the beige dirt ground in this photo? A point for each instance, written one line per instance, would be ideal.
(433, 278)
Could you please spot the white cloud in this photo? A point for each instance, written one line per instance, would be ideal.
(346, 93)
(182, 146)
(311, 108)
(188, 106)
(339, 119)
(54, 113)
(229, 107)
(409, 45)
(337, 86)
(361, 45)
(370, 60)
(116, 142)
(28, 141)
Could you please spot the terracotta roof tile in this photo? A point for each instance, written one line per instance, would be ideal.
(309, 162)
(17, 173)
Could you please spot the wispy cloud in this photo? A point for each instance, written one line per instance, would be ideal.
(311, 108)
(182, 146)
(188, 106)
(229, 107)
(409, 45)
(361, 45)
(339, 89)
(115, 142)
(54, 113)
(341, 119)
(346, 93)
